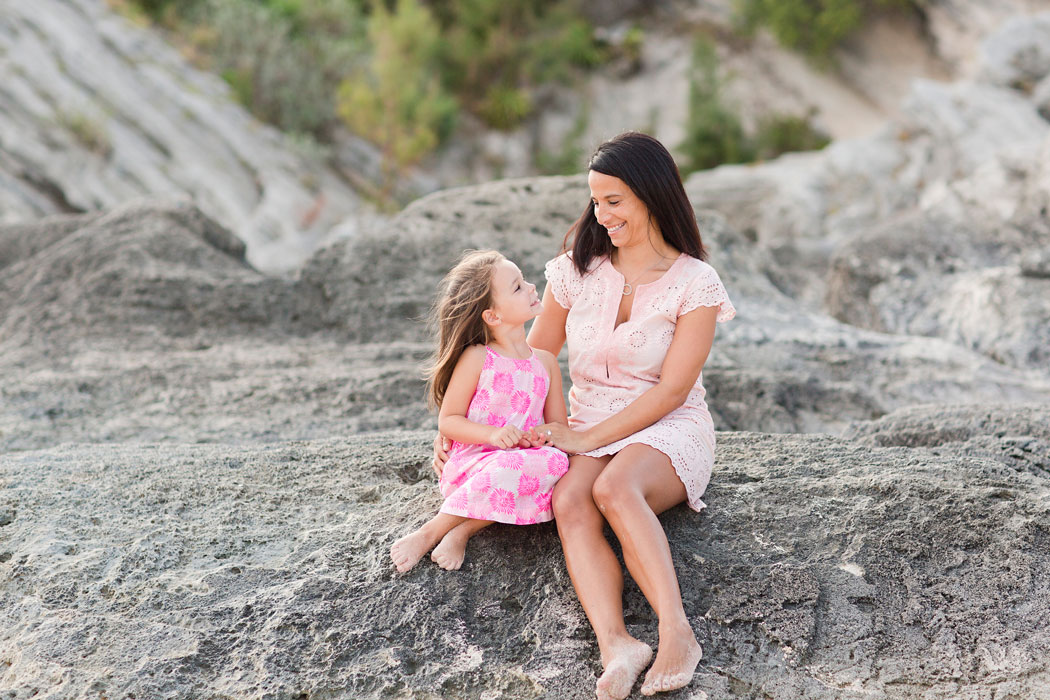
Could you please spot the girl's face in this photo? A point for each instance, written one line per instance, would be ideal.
(513, 299)
(617, 208)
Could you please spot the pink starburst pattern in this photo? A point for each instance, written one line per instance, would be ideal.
(489, 362)
(503, 382)
(539, 386)
(511, 459)
(543, 502)
(481, 482)
(502, 501)
(480, 402)
(557, 463)
(520, 401)
(523, 365)
(496, 419)
(528, 485)
(458, 500)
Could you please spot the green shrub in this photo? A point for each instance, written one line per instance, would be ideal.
(394, 101)
(780, 133)
(814, 27)
(496, 46)
(713, 132)
(505, 107)
(89, 132)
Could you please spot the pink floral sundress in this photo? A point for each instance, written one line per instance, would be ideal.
(508, 486)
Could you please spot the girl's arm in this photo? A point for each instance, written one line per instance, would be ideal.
(548, 330)
(693, 335)
(554, 408)
(452, 418)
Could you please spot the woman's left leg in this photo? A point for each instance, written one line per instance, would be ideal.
(636, 485)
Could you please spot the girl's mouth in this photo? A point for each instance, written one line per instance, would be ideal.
(617, 227)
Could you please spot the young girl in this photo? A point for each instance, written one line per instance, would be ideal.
(492, 390)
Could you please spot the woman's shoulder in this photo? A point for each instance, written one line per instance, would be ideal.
(695, 267)
(566, 264)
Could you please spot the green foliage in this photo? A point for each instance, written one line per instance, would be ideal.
(505, 107)
(89, 132)
(714, 134)
(780, 133)
(494, 48)
(284, 59)
(394, 101)
(814, 27)
(570, 158)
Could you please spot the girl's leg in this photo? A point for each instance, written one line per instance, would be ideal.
(410, 549)
(637, 484)
(597, 576)
(453, 546)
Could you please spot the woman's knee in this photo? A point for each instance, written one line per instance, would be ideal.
(573, 506)
(611, 494)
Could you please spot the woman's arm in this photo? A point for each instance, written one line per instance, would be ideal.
(548, 330)
(693, 335)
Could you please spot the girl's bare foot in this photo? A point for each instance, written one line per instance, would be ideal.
(622, 667)
(450, 551)
(676, 660)
(408, 550)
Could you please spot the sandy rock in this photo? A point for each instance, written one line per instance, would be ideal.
(822, 568)
(142, 272)
(380, 284)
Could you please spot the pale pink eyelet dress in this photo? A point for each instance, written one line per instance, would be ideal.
(611, 366)
(508, 486)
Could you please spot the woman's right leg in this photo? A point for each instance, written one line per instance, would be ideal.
(597, 576)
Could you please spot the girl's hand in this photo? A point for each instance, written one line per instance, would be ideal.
(565, 439)
(506, 437)
(441, 447)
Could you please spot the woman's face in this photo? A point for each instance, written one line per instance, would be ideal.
(617, 208)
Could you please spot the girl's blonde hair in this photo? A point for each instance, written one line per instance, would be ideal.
(466, 292)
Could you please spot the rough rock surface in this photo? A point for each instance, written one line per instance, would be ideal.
(823, 568)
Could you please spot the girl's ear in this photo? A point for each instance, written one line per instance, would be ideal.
(490, 317)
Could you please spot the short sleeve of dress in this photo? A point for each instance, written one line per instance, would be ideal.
(564, 280)
(705, 289)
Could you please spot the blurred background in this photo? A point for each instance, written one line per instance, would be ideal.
(296, 121)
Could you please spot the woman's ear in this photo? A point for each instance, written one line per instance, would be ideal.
(490, 317)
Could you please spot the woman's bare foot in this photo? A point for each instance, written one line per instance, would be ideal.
(408, 550)
(676, 660)
(622, 667)
(451, 550)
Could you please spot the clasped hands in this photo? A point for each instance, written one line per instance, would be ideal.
(507, 437)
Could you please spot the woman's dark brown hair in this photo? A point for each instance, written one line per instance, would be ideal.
(648, 169)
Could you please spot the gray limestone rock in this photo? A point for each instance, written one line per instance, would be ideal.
(97, 111)
(822, 568)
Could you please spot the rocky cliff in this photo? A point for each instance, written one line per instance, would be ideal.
(202, 466)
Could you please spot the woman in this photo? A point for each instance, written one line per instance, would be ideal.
(638, 307)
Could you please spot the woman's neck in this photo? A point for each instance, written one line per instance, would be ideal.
(510, 341)
(644, 254)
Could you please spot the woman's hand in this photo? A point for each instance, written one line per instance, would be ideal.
(441, 447)
(564, 438)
